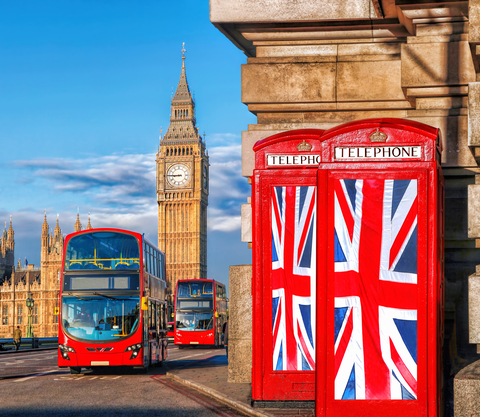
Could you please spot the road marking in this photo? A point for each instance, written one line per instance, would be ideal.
(191, 356)
(23, 358)
(34, 376)
(205, 352)
(88, 377)
(20, 361)
(220, 410)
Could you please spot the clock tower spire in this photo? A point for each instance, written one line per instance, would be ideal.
(182, 190)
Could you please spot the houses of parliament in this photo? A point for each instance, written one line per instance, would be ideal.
(43, 282)
(182, 184)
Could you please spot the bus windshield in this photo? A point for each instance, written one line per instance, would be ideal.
(102, 317)
(102, 250)
(192, 321)
(195, 289)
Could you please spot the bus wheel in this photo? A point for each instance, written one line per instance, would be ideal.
(75, 369)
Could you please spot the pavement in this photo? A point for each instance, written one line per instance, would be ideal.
(210, 377)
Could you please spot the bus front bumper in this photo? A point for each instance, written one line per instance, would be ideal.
(100, 359)
(194, 337)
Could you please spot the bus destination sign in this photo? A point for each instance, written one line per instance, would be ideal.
(378, 152)
(293, 160)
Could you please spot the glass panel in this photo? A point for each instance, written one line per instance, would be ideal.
(293, 260)
(100, 318)
(375, 261)
(102, 250)
(105, 282)
(194, 321)
(197, 303)
(194, 289)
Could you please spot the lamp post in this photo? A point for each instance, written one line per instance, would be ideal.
(30, 302)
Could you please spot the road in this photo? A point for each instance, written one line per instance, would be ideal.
(32, 384)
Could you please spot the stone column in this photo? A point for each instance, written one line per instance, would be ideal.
(466, 391)
(240, 324)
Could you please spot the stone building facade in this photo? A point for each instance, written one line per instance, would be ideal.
(182, 191)
(43, 282)
(319, 64)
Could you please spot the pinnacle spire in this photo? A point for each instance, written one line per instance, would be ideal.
(182, 113)
(45, 225)
(78, 225)
(57, 230)
(10, 230)
(183, 91)
(89, 226)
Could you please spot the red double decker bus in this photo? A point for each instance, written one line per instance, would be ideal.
(200, 312)
(113, 301)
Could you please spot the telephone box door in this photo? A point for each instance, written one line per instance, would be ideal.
(372, 249)
(289, 279)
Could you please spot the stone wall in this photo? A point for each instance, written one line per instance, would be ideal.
(240, 324)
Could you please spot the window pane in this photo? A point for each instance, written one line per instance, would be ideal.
(98, 318)
(102, 250)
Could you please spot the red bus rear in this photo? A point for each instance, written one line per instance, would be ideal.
(200, 312)
(113, 301)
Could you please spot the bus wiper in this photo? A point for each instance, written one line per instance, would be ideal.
(211, 321)
(80, 298)
(106, 296)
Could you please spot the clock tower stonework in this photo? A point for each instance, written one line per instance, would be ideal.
(182, 191)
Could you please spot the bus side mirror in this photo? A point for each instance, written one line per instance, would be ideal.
(144, 303)
(216, 315)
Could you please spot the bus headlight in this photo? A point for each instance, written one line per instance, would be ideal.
(135, 349)
(65, 349)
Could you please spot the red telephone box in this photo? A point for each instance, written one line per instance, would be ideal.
(348, 268)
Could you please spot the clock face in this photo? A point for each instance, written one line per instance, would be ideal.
(205, 177)
(178, 175)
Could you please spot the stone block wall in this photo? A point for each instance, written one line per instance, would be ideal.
(240, 324)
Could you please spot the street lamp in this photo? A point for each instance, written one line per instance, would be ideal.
(30, 302)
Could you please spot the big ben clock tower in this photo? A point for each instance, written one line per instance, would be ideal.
(182, 191)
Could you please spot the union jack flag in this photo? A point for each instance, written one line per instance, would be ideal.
(375, 289)
(293, 277)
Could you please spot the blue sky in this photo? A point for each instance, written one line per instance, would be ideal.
(85, 87)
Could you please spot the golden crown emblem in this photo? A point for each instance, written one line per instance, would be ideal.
(378, 136)
(304, 146)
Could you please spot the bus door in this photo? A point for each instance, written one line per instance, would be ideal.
(152, 332)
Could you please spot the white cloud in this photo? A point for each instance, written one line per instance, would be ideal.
(119, 191)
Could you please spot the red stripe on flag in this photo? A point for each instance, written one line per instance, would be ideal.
(347, 214)
(289, 282)
(344, 340)
(277, 216)
(377, 374)
(309, 358)
(402, 234)
(277, 323)
(402, 368)
(306, 229)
